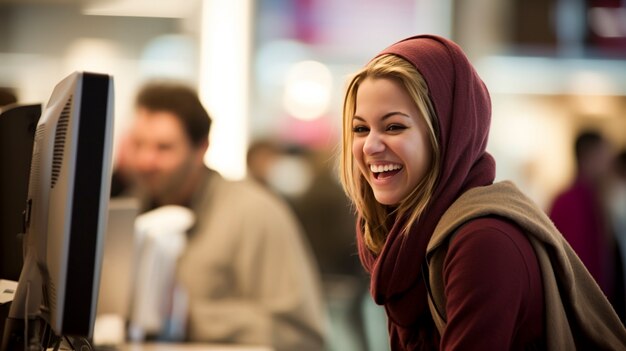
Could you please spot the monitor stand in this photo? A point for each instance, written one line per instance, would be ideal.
(39, 339)
(81, 344)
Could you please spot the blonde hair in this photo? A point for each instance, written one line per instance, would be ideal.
(374, 216)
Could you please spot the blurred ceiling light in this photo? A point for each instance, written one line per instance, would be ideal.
(95, 55)
(139, 8)
(553, 76)
(307, 90)
(609, 22)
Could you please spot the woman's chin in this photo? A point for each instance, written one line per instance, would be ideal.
(386, 199)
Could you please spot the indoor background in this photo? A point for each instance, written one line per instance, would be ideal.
(274, 72)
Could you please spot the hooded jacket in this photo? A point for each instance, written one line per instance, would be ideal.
(463, 108)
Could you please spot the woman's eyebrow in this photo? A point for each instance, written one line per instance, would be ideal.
(385, 116)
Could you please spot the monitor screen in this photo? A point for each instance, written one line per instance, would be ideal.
(17, 132)
(65, 215)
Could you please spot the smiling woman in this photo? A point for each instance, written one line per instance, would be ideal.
(388, 123)
(391, 140)
(444, 244)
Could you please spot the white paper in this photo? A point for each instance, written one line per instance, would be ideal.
(7, 290)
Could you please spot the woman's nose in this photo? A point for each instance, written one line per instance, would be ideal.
(373, 144)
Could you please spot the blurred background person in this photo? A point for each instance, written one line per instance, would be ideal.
(261, 156)
(247, 269)
(617, 210)
(580, 213)
(304, 177)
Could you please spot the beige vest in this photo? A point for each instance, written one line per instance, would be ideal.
(591, 313)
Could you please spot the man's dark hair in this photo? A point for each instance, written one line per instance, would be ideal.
(181, 101)
(587, 141)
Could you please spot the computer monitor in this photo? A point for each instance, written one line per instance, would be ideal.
(68, 196)
(17, 132)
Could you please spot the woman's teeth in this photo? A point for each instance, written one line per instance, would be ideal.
(384, 168)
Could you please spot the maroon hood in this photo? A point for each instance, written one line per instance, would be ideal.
(463, 107)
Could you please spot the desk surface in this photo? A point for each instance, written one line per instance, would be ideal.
(190, 347)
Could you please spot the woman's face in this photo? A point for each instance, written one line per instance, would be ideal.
(390, 140)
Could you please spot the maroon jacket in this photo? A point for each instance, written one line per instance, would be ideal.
(493, 288)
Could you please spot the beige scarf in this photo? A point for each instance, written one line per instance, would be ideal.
(568, 286)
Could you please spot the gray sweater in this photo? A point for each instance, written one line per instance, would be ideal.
(249, 272)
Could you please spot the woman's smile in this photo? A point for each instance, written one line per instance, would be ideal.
(385, 171)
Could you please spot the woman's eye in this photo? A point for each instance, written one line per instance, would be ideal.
(395, 127)
(359, 129)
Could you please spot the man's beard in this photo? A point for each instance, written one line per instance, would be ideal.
(166, 189)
